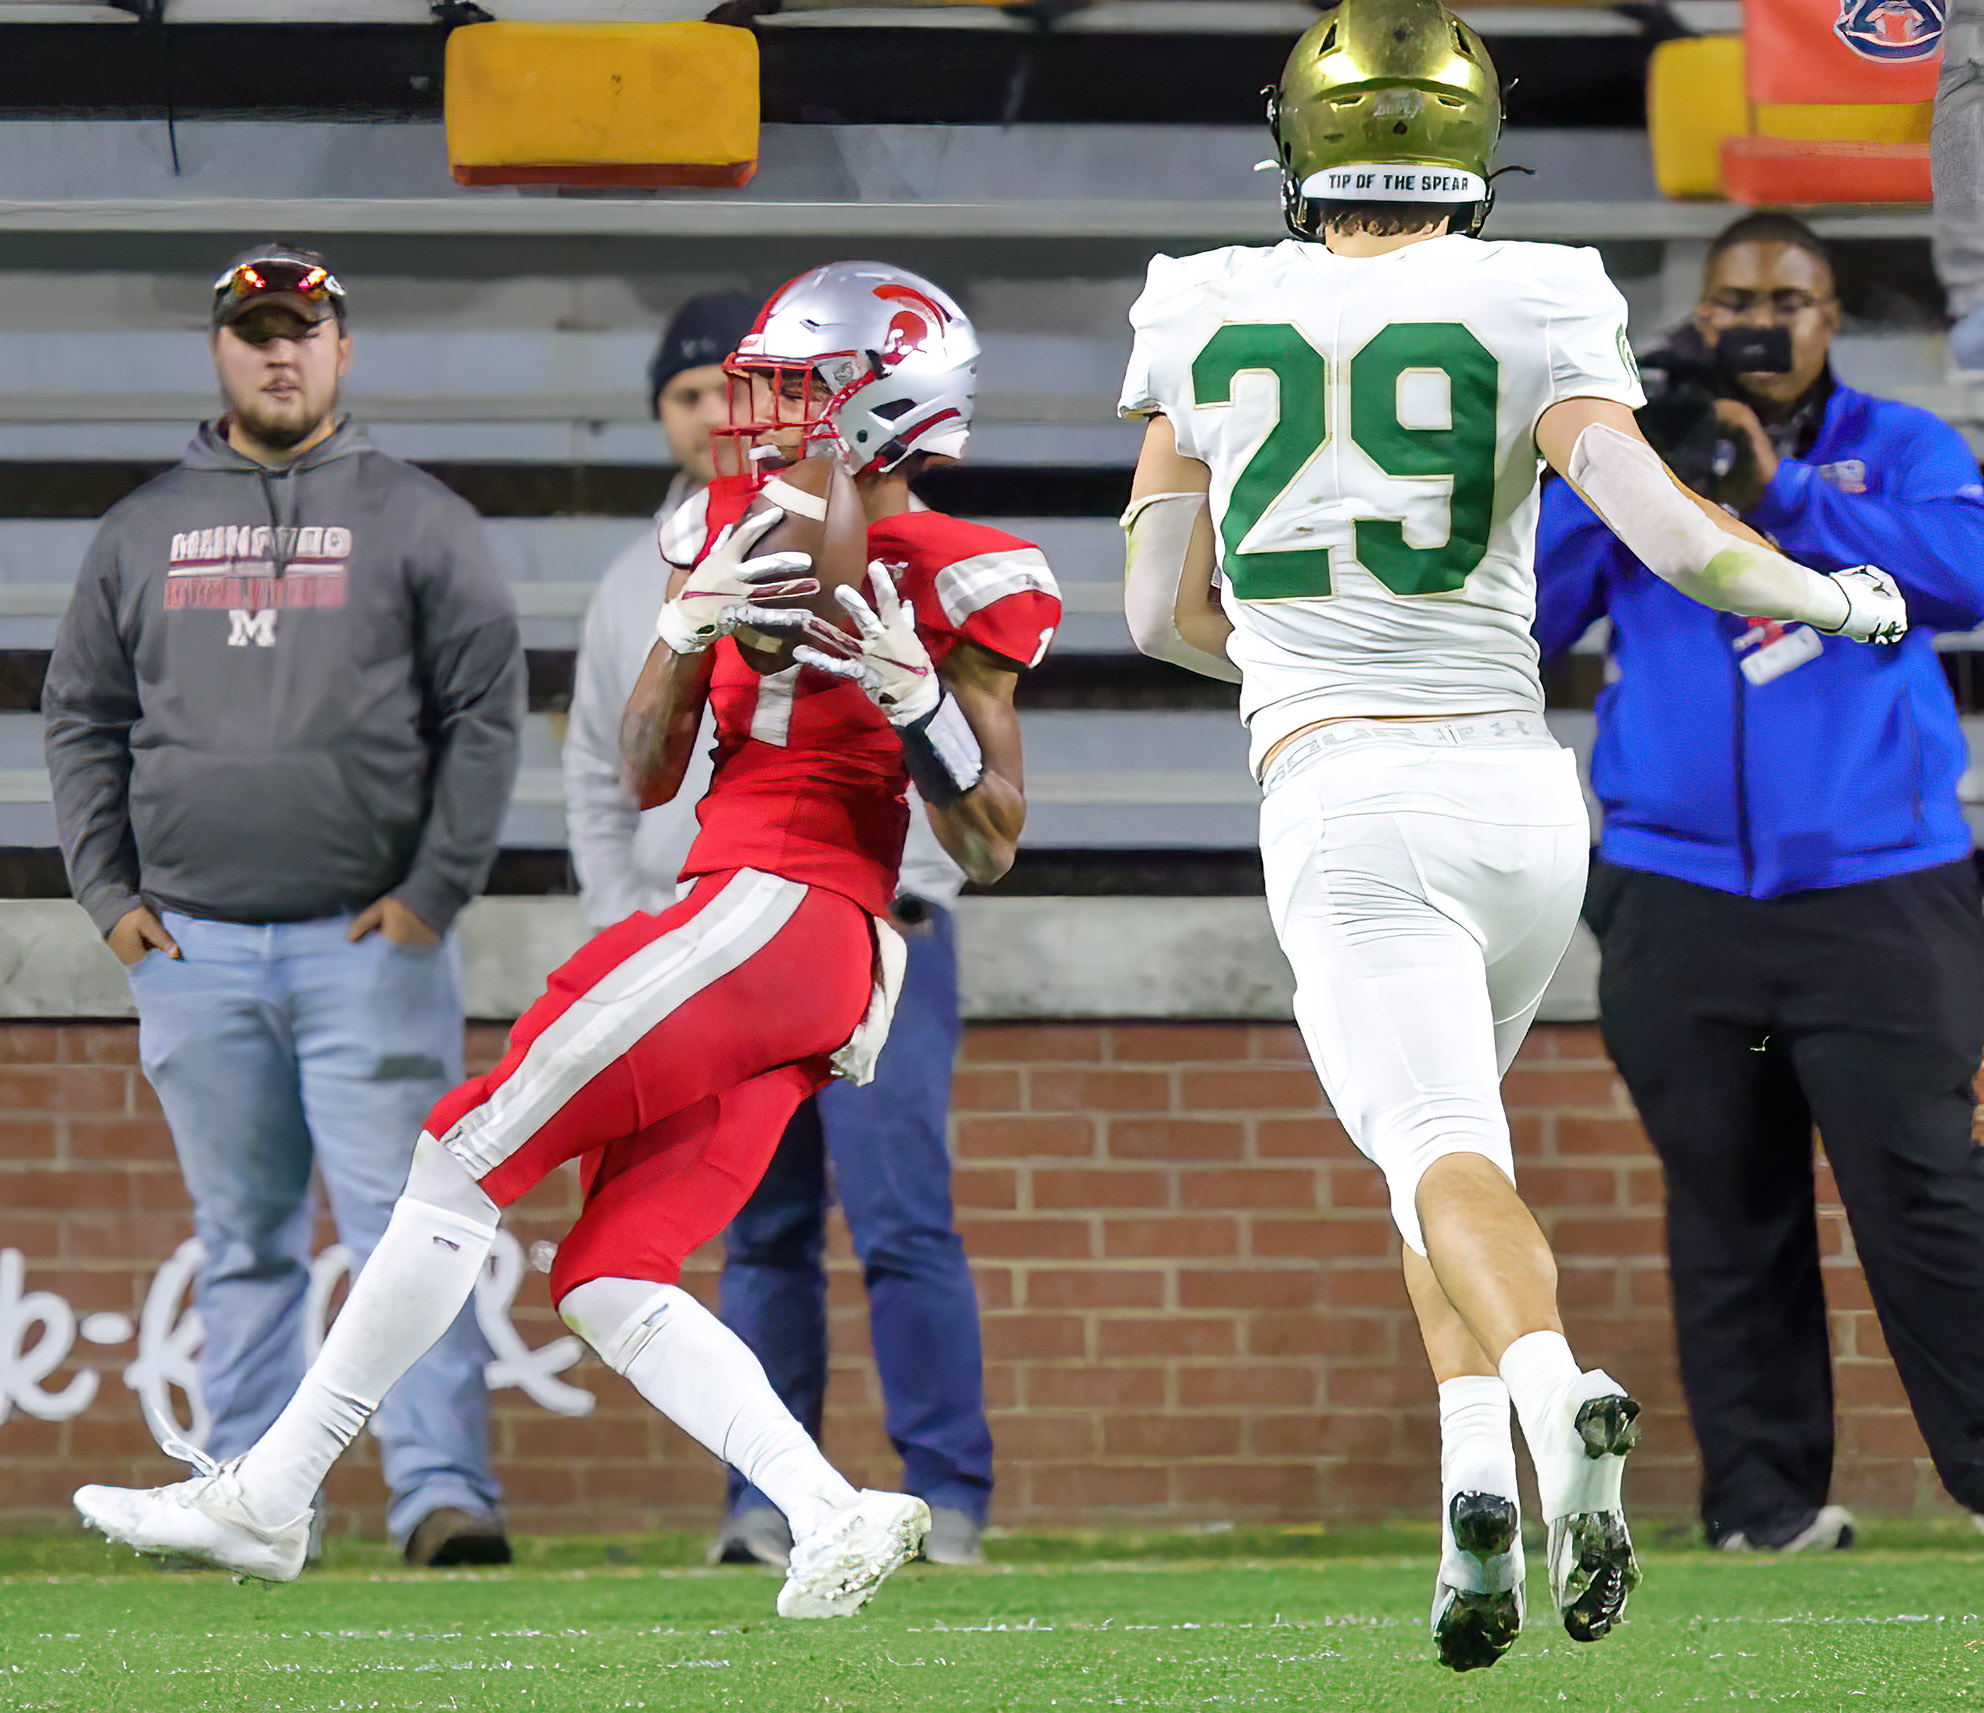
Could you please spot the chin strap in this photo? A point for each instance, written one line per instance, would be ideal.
(1486, 205)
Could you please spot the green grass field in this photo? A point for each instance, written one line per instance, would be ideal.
(1251, 1619)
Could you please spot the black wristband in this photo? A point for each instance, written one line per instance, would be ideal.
(942, 753)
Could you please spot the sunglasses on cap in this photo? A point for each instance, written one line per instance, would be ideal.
(271, 276)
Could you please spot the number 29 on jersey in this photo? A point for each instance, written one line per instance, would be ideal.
(1462, 453)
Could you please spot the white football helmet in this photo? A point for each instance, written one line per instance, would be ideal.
(897, 355)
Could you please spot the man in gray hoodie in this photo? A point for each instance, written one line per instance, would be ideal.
(282, 722)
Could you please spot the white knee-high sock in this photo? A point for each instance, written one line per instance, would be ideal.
(1543, 1376)
(1477, 1440)
(406, 1295)
(703, 1378)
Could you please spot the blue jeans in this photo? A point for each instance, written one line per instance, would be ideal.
(885, 1144)
(271, 1045)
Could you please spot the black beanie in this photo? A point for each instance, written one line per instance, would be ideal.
(704, 330)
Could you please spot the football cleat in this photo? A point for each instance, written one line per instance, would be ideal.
(1478, 1599)
(1592, 1567)
(835, 1570)
(201, 1521)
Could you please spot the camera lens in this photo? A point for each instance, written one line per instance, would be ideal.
(1754, 351)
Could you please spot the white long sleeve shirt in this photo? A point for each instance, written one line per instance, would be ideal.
(629, 859)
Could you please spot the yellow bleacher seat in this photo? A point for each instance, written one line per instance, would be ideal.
(602, 104)
(1694, 99)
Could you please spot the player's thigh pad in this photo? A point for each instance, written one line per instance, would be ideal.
(1506, 857)
(656, 1197)
(1526, 961)
(659, 1013)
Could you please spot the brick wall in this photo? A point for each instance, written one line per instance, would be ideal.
(1190, 1285)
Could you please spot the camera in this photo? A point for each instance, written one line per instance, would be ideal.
(1684, 379)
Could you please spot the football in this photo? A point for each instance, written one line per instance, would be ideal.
(837, 540)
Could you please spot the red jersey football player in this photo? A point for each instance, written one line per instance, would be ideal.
(669, 1053)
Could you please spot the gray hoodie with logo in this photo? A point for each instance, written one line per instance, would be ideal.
(278, 695)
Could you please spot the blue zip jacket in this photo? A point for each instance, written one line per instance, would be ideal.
(1844, 768)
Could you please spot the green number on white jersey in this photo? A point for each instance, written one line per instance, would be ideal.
(1462, 453)
(1301, 427)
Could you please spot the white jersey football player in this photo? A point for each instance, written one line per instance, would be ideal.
(1336, 507)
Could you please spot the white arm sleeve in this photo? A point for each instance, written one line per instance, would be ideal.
(1157, 532)
(1624, 481)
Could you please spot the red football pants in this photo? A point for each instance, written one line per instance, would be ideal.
(672, 1049)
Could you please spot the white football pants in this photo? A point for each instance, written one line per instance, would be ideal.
(1424, 879)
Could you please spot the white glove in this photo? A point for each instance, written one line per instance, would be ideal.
(1875, 611)
(720, 590)
(891, 664)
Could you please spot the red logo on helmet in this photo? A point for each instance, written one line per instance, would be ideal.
(907, 333)
(911, 327)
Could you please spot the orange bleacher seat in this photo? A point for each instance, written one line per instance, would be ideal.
(1797, 170)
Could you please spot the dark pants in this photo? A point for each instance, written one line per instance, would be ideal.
(892, 1173)
(1737, 1023)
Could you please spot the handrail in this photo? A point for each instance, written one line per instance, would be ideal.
(693, 216)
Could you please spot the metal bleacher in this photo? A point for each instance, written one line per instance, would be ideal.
(503, 337)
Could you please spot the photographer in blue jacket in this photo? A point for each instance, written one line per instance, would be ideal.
(1791, 922)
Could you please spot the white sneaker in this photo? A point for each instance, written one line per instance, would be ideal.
(1831, 1527)
(204, 1519)
(1478, 1596)
(835, 1569)
(1592, 1567)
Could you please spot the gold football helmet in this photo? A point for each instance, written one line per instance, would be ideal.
(1385, 101)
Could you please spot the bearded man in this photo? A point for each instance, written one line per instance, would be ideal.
(283, 717)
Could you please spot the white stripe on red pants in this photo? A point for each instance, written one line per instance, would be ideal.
(657, 1016)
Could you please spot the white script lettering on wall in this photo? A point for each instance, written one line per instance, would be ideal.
(39, 1332)
(24, 1364)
